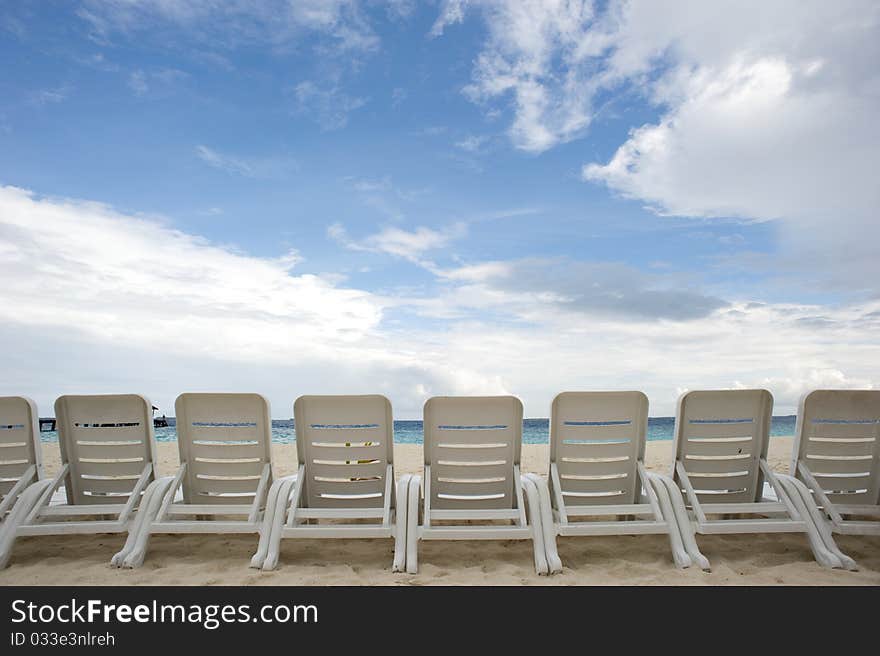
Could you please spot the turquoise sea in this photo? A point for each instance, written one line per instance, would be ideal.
(535, 431)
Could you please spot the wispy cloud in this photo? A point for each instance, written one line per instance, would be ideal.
(583, 287)
(472, 143)
(141, 82)
(398, 96)
(329, 106)
(342, 22)
(409, 245)
(536, 54)
(49, 96)
(249, 167)
(137, 82)
(87, 286)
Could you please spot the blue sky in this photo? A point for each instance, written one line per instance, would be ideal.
(438, 198)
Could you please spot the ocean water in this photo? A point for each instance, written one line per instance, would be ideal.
(535, 431)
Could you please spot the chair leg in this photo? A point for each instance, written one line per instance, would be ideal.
(679, 554)
(683, 521)
(22, 508)
(135, 556)
(146, 513)
(277, 526)
(554, 563)
(824, 548)
(272, 506)
(535, 524)
(412, 525)
(400, 521)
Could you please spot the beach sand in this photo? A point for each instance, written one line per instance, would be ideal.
(632, 560)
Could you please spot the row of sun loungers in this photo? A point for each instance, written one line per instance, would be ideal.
(471, 487)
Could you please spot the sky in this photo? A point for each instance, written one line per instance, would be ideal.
(438, 198)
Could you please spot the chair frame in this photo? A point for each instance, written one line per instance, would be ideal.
(526, 525)
(34, 461)
(654, 513)
(849, 401)
(792, 512)
(165, 515)
(290, 512)
(30, 513)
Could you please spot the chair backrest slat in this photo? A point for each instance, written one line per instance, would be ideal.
(838, 437)
(19, 441)
(225, 441)
(106, 441)
(472, 445)
(345, 444)
(720, 436)
(596, 442)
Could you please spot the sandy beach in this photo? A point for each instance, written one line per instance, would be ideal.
(632, 560)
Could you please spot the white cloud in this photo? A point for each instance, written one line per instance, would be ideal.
(472, 143)
(398, 96)
(550, 351)
(96, 310)
(223, 162)
(93, 309)
(767, 110)
(536, 53)
(273, 22)
(774, 117)
(140, 81)
(49, 96)
(137, 82)
(328, 106)
(410, 245)
(249, 167)
(365, 185)
(530, 287)
(788, 390)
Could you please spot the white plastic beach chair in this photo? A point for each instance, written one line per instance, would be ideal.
(20, 455)
(472, 484)
(837, 455)
(107, 462)
(721, 440)
(224, 475)
(344, 487)
(598, 481)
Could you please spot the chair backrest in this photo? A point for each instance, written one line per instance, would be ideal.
(838, 437)
(472, 444)
(106, 441)
(720, 436)
(345, 444)
(19, 441)
(225, 441)
(596, 441)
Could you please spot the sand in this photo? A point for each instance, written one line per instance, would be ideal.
(631, 560)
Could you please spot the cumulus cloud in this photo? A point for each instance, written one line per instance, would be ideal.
(534, 55)
(774, 119)
(788, 390)
(742, 345)
(767, 111)
(104, 301)
(97, 309)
